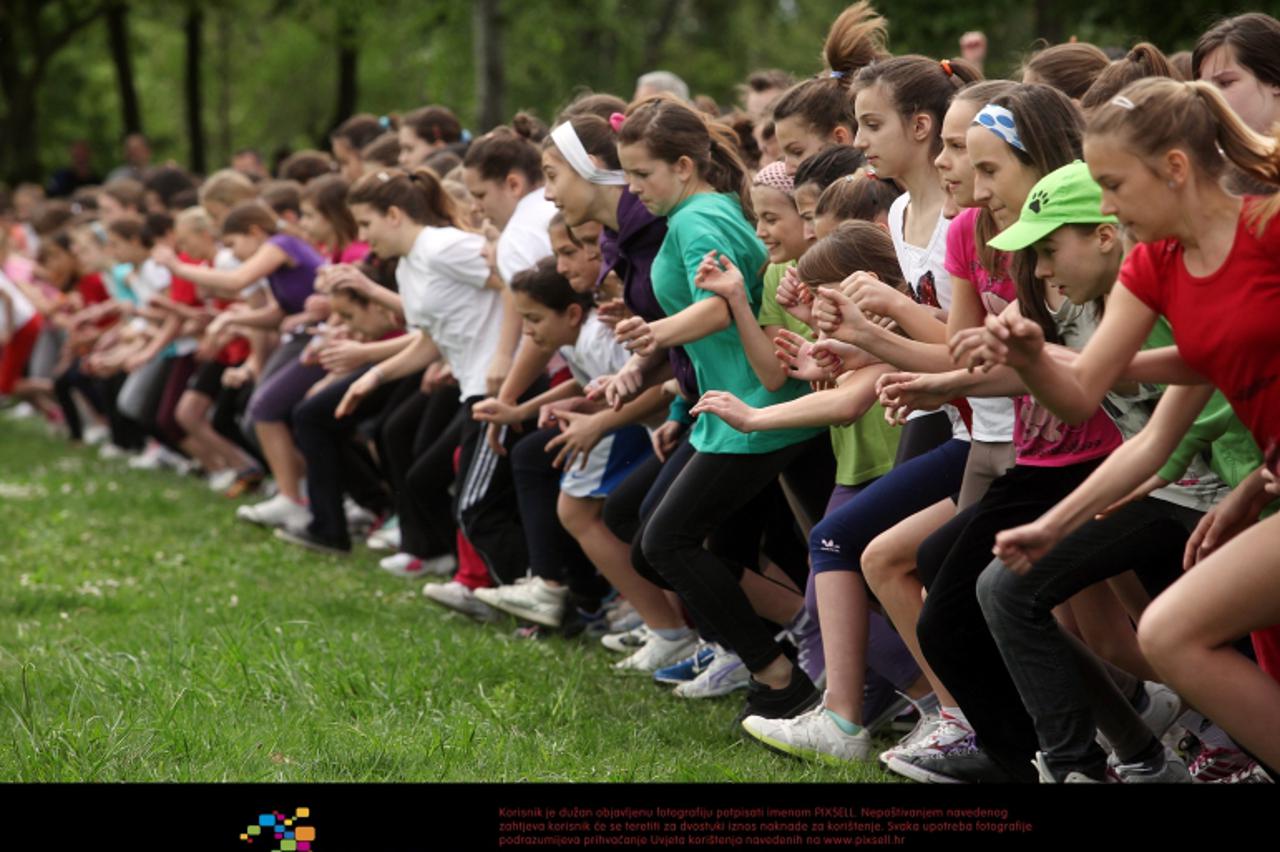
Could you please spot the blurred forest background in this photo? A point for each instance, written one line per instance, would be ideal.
(203, 79)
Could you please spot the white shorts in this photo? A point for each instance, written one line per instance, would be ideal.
(608, 463)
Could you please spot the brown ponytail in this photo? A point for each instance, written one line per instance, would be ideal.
(418, 194)
(856, 39)
(504, 150)
(1144, 60)
(1158, 115)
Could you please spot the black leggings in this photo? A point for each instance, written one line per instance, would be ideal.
(72, 379)
(952, 630)
(427, 528)
(701, 499)
(551, 548)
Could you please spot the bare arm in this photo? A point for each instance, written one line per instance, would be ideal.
(844, 404)
(228, 282)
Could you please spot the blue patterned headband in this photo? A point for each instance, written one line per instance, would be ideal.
(1000, 121)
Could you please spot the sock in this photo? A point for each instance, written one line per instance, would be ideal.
(671, 634)
(842, 723)
(927, 704)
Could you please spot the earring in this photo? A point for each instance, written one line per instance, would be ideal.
(1171, 186)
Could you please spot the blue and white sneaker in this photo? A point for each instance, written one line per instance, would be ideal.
(688, 668)
(723, 675)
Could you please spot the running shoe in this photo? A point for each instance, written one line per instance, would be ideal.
(723, 675)
(529, 598)
(688, 668)
(626, 642)
(1214, 764)
(795, 698)
(1165, 768)
(657, 653)
(811, 736)
(279, 511)
(956, 767)
(1041, 764)
(949, 737)
(455, 596)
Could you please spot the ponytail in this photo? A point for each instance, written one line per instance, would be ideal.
(856, 39)
(1153, 116)
(418, 194)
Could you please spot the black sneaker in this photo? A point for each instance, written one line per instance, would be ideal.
(305, 538)
(956, 767)
(797, 697)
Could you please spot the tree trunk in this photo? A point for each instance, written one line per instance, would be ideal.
(118, 41)
(224, 86)
(491, 84)
(22, 28)
(348, 67)
(195, 92)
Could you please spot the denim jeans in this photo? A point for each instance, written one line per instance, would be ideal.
(1063, 687)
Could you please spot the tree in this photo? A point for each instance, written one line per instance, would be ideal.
(348, 42)
(118, 42)
(194, 29)
(31, 33)
(491, 84)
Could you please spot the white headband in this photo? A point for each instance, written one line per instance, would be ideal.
(566, 139)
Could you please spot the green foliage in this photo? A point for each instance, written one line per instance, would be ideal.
(270, 68)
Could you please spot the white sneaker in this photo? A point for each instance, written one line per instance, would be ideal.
(95, 434)
(385, 537)
(812, 736)
(723, 675)
(658, 653)
(21, 411)
(221, 480)
(626, 642)
(458, 597)
(148, 459)
(948, 736)
(401, 564)
(531, 599)
(109, 451)
(279, 511)
(1166, 769)
(359, 518)
(408, 565)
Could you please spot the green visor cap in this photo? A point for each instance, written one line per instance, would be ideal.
(1066, 196)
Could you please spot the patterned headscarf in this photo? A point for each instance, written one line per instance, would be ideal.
(775, 176)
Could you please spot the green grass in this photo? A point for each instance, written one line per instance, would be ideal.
(146, 635)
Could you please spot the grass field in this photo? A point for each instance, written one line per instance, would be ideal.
(146, 635)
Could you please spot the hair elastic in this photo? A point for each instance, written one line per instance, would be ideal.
(615, 121)
(836, 74)
(946, 66)
(1122, 102)
(384, 122)
(570, 147)
(1000, 121)
(384, 177)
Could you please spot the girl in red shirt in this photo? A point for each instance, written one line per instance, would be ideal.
(1210, 263)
